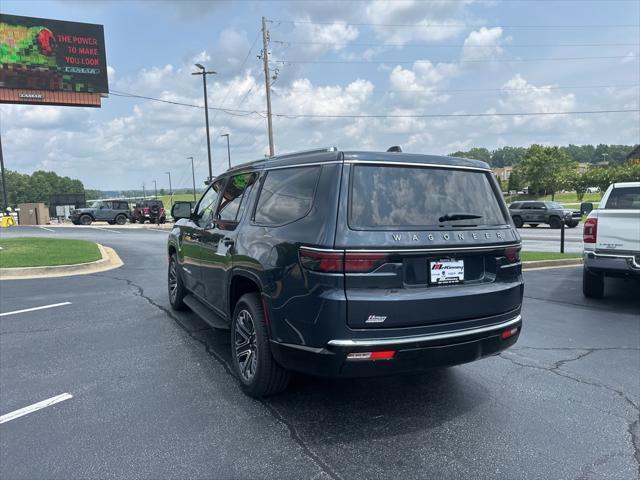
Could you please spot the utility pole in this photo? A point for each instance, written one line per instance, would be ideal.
(193, 176)
(144, 194)
(228, 148)
(155, 188)
(4, 180)
(203, 71)
(267, 80)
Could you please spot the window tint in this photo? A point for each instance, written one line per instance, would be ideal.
(624, 198)
(234, 199)
(286, 195)
(514, 206)
(208, 204)
(399, 197)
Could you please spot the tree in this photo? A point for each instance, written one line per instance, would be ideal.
(37, 187)
(474, 154)
(546, 169)
(507, 156)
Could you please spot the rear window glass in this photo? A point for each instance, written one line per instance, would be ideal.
(624, 198)
(286, 195)
(407, 197)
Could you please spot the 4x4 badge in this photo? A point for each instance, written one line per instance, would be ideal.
(376, 319)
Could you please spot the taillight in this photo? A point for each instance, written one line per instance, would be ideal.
(318, 261)
(145, 211)
(509, 333)
(372, 356)
(590, 232)
(512, 254)
(339, 262)
(363, 262)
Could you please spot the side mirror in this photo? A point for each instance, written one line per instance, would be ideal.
(586, 207)
(181, 210)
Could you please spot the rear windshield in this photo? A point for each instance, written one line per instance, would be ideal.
(408, 197)
(624, 198)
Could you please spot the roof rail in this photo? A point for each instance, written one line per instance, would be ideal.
(306, 152)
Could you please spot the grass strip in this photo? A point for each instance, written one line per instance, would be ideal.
(536, 256)
(41, 252)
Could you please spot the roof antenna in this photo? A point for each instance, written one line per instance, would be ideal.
(395, 148)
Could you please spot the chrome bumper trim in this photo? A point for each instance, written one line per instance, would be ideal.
(628, 258)
(377, 342)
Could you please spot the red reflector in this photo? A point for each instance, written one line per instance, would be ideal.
(384, 355)
(509, 333)
(512, 254)
(590, 232)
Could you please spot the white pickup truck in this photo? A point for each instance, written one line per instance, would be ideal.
(611, 238)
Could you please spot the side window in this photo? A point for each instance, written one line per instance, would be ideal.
(286, 195)
(538, 206)
(233, 201)
(107, 205)
(208, 204)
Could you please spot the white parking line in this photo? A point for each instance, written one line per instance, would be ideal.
(35, 308)
(106, 229)
(36, 406)
(47, 229)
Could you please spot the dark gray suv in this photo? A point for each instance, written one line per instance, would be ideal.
(552, 213)
(114, 212)
(347, 264)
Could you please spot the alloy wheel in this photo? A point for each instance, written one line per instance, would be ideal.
(246, 345)
(173, 281)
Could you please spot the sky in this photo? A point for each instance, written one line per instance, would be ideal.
(357, 75)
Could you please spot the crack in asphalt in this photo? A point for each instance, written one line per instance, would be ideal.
(603, 308)
(632, 427)
(295, 435)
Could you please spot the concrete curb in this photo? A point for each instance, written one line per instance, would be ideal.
(109, 261)
(537, 264)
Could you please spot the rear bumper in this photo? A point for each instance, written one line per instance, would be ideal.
(414, 353)
(613, 263)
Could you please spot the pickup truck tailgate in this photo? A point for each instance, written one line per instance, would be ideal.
(618, 230)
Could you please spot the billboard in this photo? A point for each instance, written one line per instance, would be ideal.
(52, 55)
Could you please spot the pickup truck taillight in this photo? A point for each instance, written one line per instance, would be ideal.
(590, 232)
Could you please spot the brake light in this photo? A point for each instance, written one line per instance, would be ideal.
(145, 210)
(339, 262)
(590, 232)
(372, 356)
(512, 254)
(363, 262)
(318, 261)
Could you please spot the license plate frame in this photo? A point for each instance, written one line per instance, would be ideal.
(446, 271)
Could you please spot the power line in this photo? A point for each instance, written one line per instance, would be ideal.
(450, 45)
(434, 115)
(498, 60)
(453, 25)
(471, 90)
(459, 115)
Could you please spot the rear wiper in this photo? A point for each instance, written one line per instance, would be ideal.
(458, 216)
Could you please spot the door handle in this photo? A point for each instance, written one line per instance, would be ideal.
(227, 241)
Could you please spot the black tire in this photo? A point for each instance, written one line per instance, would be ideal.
(592, 284)
(533, 225)
(257, 370)
(573, 224)
(111, 222)
(555, 222)
(163, 220)
(176, 288)
(75, 223)
(517, 221)
(120, 219)
(85, 219)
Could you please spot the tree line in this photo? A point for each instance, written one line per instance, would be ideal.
(37, 187)
(509, 156)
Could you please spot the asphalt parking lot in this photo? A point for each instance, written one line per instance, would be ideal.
(153, 395)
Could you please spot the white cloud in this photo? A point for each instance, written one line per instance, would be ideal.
(483, 44)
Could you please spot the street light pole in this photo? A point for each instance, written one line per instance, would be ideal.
(204, 74)
(193, 176)
(170, 189)
(155, 188)
(4, 180)
(228, 148)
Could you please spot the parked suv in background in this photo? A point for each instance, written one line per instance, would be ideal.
(111, 211)
(151, 211)
(551, 213)
(348, 264)
(611, 238)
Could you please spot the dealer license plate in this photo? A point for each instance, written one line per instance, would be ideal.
(446, 271)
